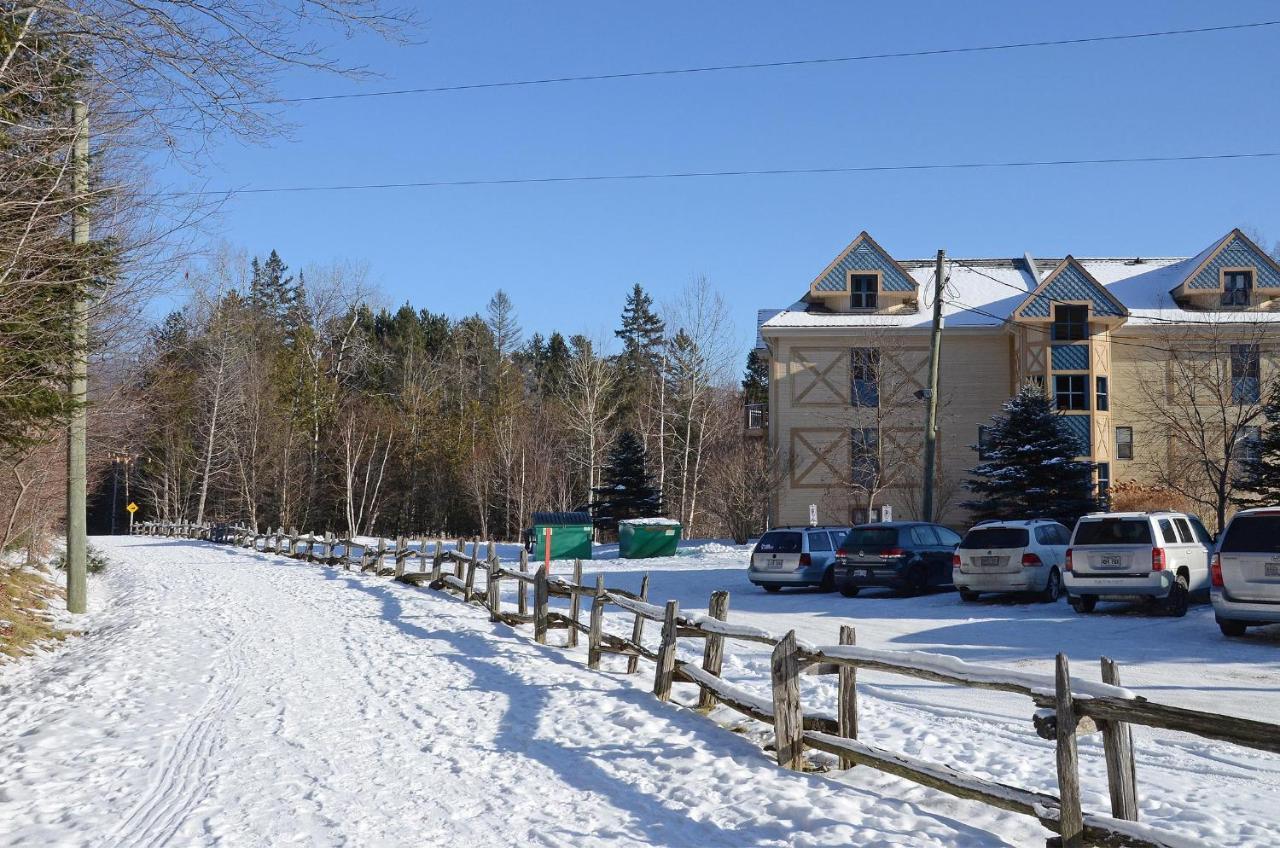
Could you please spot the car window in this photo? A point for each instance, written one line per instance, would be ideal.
(1184, 531)
(996, 537)
(864, 538)
(1167, 531)
(837, 538)
(1252, 534)
(948, 536)
(1201, 533)
(1046, 535)
(1114, 531)
(819, 542)
(779, 542)
(924, 536)
(1064, 535)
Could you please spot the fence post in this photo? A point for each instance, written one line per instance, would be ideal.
(1070, 818)
(596, 631)
(847, 711)
(493, 588)
(713, 650)
(540, 606)
(437, 561)
(1117, 746)
(469, 586)
(637, 628)
(422, 554)
(666, 653)
(575, 605)
(788, 720)
(382, 552)
(402, 547)
(522, 596)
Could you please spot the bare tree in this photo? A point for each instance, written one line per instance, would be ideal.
(589, 406)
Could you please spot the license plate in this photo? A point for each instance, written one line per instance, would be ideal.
(774, 565)
(1110, 561)
(861, 572)
(989, 562)
(1273, 569)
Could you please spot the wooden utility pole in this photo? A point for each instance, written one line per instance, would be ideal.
(931, 393)
(77, 538)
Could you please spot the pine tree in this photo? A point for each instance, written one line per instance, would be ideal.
(1259, 480)
(1029, 469)
(502, 322)
(641, 334)
(755, 380)
(626, 489)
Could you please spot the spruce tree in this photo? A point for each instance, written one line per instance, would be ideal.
(1028, 467)
(626, 489)
(1259, 480)
(755, 380)
(641, 334)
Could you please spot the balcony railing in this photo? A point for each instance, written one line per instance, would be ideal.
(756, 418)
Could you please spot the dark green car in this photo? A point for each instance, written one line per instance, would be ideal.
(907, 556)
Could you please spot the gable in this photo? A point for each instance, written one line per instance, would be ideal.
(863, 255)
(1235, 251)
(1070, 283)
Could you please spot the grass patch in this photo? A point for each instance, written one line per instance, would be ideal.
(25, 595)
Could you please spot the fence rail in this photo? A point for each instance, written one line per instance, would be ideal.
(1066, 706)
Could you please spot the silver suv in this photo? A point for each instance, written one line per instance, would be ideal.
(1245, 572)
(1158, 555)
(796, 556)
(1011, 556)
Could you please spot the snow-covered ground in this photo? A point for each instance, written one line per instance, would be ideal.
(236, 698)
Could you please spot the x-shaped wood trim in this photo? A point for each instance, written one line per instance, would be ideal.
(820, 457)
(820, 375)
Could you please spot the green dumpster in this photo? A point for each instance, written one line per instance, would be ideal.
(570, 535)
(641, 538)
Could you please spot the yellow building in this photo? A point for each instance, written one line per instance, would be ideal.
(1148, 360)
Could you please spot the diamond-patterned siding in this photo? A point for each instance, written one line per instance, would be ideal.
(1070, 285)
(865, 258)
(1078, 426)
(1236, 254)
(1071, 357)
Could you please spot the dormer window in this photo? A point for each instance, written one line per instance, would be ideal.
(1070, 323)
(863, 289)
(1237, 288)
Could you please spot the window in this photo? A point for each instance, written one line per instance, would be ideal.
(819, 542)
(1104, 481)
(779, 543)
(947, 536)
(1070, 392)
(1237, 286)
(1245, 373)
(1184, 531)
(1252, 534)
(1124, 443)
(1201, 533)
(865, 459)
(1064, 535)
(1114, 531)
(1070, 323)
(1248, 444)
(996, 537)
(1104, 402)
(863, 289)
(864, 373)
(924, 537)
(1167, 531)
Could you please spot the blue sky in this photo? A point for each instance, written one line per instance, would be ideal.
(567, 254)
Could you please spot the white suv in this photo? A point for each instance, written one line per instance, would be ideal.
(1011, 556)
(1245, 571)
(1160, 555)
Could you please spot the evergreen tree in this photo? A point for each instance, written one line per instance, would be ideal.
(626, 489)
(502, 322)
(755, 381)
(1259, 480)
(641, 334)
(1028, 467)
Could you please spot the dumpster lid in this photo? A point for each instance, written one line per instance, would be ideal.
(560, 519)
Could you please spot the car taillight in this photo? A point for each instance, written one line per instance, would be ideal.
(1068, 565)
(1031, 560)
(891, 553)
(1215, 570)
(1157, 559)
(805, 559)
(841, 553)
(955, 560)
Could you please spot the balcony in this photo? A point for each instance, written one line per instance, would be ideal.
(756, 419)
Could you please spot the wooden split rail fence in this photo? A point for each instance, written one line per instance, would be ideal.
(1066, 707)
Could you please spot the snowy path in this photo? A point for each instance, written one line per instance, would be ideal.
(230, 698)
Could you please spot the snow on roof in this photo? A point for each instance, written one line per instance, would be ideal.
(984, 293)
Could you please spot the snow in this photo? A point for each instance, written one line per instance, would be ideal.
(664, 522)
(222, 696)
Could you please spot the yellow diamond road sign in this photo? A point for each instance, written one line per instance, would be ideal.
(132, 507)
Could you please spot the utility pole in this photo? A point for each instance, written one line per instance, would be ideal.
(77, 537)
(931, 396)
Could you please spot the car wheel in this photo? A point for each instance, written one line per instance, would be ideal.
(1084, 603)
(1230, 627)
(917, 580)
(850, 591)
(967, 596)
(771, 588)
(828, 583)
(1052, 588)
(1175, 604)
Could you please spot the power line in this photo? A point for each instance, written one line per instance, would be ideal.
(763, 172)
(740, 66)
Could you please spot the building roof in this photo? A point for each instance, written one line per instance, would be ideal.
(985, 292)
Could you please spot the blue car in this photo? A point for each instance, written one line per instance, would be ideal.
(796, 556)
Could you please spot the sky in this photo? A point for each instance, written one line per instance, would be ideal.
(567, 254)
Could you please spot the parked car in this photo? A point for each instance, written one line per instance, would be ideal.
(1245, 571)
(1011, 556)
(908, 556)
(796, 556)
(1159, 555)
